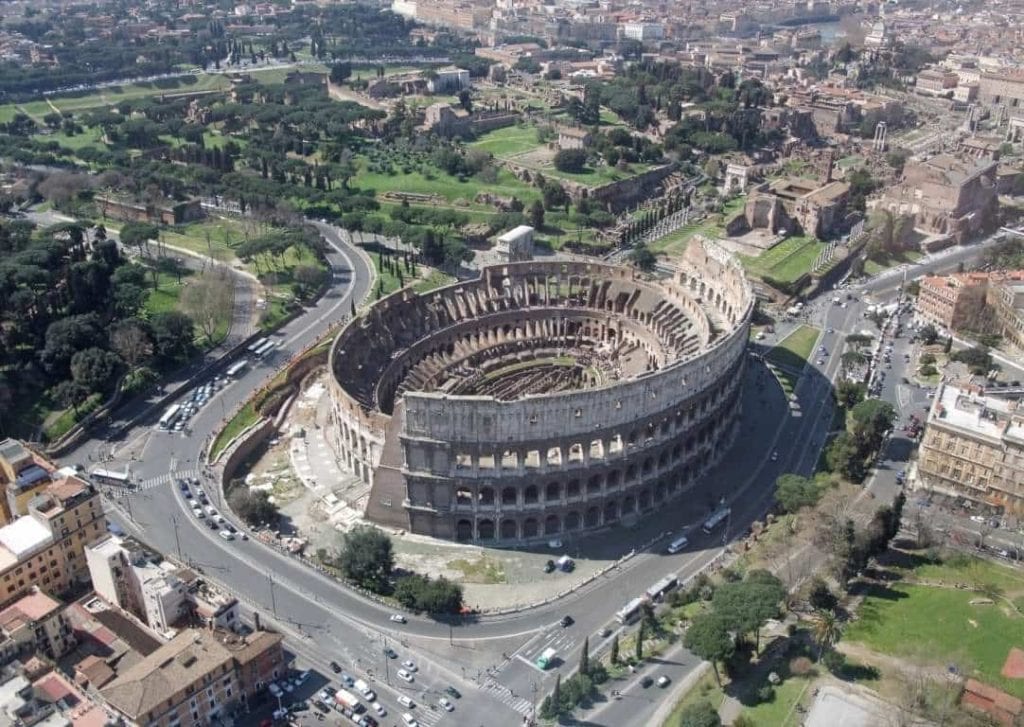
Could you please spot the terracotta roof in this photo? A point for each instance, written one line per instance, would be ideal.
(36, 606)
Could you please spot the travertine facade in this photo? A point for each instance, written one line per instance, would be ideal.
(542, 398)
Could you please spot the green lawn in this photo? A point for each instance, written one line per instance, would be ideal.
(600, 175)
(781, 712)
(224, 233)
(508, 141)
(940, 626)
(245, 418)
(164, 297)
(68, 418)
(705, 690)
(794, 350)
(785, 262)
(874, 267)
(90, 136)
(435, 279)
(445, 186)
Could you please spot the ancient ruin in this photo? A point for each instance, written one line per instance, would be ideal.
(541, 397)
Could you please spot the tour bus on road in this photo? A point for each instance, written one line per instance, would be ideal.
(631, 611)
(717, 518)
(170, 416)
(111, 477)
(236, 368)
(662, 587)
(348, 699)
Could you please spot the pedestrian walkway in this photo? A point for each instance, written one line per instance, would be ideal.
(168, 478)
(507, 697)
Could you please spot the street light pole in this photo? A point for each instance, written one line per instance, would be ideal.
(177, 541)
(273, 600)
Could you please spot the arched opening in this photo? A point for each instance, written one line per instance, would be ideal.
(508, 496)
(530, 495)
(594, 485)
(464, 530)
(485, 530)
(572, 489)
(530, 528)
(644, 500)
(552, 525)
(508, 529)
(463, 496)
(611, 511)
(592, 518)
(572, 521)
(553, 492)
(486, 495)
(628, 505)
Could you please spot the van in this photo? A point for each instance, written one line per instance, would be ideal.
(678, 544)
(406, 702)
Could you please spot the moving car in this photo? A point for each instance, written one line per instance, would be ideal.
(406, 702)
(410, 665)
(446, 704)
(390, 653)
(335, 667)
(226, 535)
(663, 681)
(406, 676)
(646, 682)
(398, 618)
(566, 622)
(453, 692)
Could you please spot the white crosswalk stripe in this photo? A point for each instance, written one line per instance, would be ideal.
(168, 478)
(519, 704)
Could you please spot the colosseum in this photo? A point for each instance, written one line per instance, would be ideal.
(542, 397)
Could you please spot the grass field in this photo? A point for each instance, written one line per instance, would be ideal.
(793, 351)
(874, 267)
(508, 141)
(600, 175)
(785, 262)
(245, 418)
(225, 233)
(443, 185)
(90, 136)
(940, 626)
(781, 711)
(435, 279)
(164, 297)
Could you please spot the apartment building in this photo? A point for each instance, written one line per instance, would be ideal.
(45, 547)
(973, 446)
(35, 623)
(195, 677)
(951, 302)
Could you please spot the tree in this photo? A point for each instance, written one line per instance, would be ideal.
(699, 714)
(254, 507)
(826, 629)
(928, 334)
(643, 258)
(793, 492)
(466, 100)
(849, 393)
(208, 300)
(340, 72)
(820, 596)
(69, 395)
(536, 214)
(93, 369)
(420, 593)
(978, 360)
(554, 196)
(556, 693)
(585, 656)
(173, 336)
(133, 342)
(66, 337)
(640, 641)
(708, 637)
(615, 650)
(366, 557)
(746, 605)
(571, 161)
(137, 235)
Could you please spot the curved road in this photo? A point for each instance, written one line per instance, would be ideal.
(329, 621)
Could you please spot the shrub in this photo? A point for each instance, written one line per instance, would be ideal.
(766, 693)
(928, 370)
(833, 661)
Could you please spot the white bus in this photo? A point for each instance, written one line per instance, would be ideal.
(631, 611)
(236, 368)
(717, 518)
(678, 544)
(167, 420)
(111, 477)
(251, 348)
(662, 587)
(264, 349)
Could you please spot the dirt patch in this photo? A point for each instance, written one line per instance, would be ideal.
(1013, 667)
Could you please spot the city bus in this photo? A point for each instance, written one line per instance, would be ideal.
(631, 611)
(546, 657)
(264, 349)
(662, 587)
(251, 348)
(718, 517)
(236, 368)
(110, 477)
(167, 420)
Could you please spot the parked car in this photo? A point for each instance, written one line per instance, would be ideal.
(406, 676)
(446, 704)
(335, 667)
(453, 692)
(398, 618)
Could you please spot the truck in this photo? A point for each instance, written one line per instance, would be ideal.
(546, 657)
(348, 699)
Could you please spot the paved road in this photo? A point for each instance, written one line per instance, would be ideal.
(328, 621)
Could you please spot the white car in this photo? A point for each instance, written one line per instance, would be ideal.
(379, 709)
(406, 702)
(409, 720)
(410, 665)
(446, 704)
(227, 535)
(198, 512)
(403, 674)
(398, 618)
